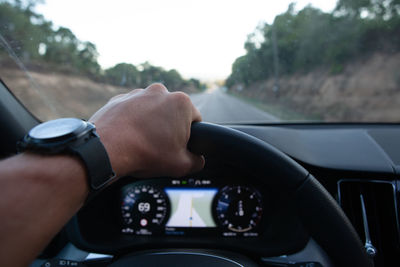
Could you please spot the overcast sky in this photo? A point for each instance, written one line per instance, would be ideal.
(199, 38)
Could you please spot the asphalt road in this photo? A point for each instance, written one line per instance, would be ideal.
(218, 107)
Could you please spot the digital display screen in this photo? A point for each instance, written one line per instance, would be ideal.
(191, 207)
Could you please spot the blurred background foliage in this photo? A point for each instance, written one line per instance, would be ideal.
(304, 40)
(29, 37)
(309, 39)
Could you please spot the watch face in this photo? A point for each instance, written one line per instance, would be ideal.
(57, 128)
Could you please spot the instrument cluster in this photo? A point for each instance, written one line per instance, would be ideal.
(186, 207)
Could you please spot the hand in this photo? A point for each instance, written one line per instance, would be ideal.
(146, 131)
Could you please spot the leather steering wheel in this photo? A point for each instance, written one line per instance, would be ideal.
(320, 214)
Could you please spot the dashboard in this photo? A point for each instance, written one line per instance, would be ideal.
(221, 207)
(188, 207)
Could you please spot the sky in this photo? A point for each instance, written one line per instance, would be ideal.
(200, 39)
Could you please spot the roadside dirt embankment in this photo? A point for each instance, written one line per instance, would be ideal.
(50, 95)
(366, 90)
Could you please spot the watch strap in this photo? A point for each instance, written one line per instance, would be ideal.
(95, 157)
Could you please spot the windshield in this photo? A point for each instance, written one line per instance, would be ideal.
(248, 61)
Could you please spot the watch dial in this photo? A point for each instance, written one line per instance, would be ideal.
(56, 128)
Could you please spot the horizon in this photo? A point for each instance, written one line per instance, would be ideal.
(184, 35)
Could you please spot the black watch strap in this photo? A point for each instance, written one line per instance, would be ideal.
(95, 157)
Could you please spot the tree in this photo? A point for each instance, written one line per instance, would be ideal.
(123, 74)
(172, 79)
(88, 58)
(383, 9)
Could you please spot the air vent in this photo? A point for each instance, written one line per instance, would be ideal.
(372, 208)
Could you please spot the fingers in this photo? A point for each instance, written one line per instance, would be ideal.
(196, 115)
(198, 162)
(190, 163)
(181, 96)
(184, 100)
(157, 88)
(176, 106)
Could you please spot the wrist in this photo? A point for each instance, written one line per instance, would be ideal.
(116, 153)
(60, 173)
(74, 137)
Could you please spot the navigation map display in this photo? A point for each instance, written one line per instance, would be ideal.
(191, 207)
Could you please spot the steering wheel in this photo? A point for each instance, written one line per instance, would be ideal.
(318, 211)
(320, 214)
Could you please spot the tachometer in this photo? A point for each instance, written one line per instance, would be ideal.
(144, 209)
(239, 208)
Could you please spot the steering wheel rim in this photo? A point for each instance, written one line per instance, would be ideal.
(320, 214)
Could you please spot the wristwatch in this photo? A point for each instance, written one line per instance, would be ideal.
(75, 137)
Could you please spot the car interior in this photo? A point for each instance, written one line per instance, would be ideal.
(300, 130)
(270, 195)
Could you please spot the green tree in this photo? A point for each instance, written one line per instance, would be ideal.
(88, 58)
(172, 79)
(383, 9)
(123, 74)
(62, 48)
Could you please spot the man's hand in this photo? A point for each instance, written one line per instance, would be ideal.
(146, 132)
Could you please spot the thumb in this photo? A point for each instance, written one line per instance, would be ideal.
(197, 162)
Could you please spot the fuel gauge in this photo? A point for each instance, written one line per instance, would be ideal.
(239, 208)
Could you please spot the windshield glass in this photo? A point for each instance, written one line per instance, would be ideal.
(251, 61)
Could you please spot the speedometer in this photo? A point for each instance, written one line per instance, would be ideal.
(239, 208)
(180, 207)
(144, 209)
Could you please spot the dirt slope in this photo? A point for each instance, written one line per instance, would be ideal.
(51, 94)
(366, 90)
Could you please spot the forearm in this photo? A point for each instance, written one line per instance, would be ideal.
(39, 195)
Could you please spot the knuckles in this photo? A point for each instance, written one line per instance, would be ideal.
(181, 99)
(157, 87)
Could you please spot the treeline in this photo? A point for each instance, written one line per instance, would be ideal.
(128, 75)
(31, 38)
(308, 39)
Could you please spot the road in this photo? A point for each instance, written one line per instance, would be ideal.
(218, 107)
